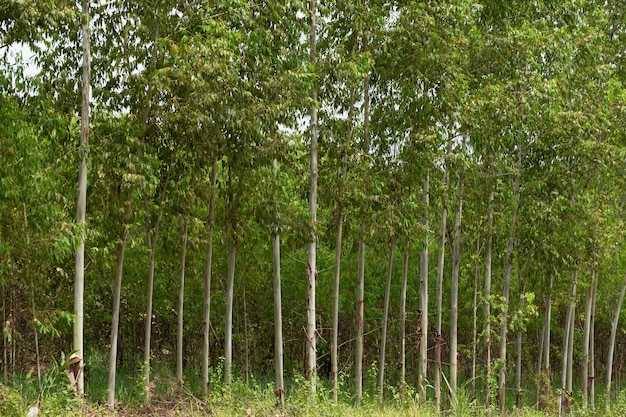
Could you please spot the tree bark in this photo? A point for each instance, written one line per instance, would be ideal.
(228, 328)
(423, 335)
(518, 365)
(586, 337)
(475, 315)
(361, 263)
(609, 360)
(544, 385)
(278, 313)
(508, 264)
(592, 345)
(81, 205)
(487, 307)
(151, 240)
(454, 290)
(206, 316)
(115, 317)
(334, 347)
(439, 283)
(405, 273)
(181, 305)
(383, 339)
(312, 255)
(565, 394)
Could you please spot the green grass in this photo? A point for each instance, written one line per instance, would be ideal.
(256, 398)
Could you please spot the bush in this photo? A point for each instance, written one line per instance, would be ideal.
(10, 403)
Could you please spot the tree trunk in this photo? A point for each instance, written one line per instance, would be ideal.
(151, 241)
(5, 349)
(592, 344)
(508, 264)
(544, 385)
(609, 360)
(439, 284)
(518, 365)
(115, 317)
(361, 263)
(383, 339)
(586, 337)
(228, 327)
(334, 348)
(423, 334)
(564, 394)
(81, 206)
(487, 312)
(454, 290)
(475, 315)
(206, 319)
(181, 304)
(278, 313)
(405, 273)
(312, 256)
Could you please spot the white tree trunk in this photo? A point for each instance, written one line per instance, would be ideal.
(609, 359)
(569, 325)
(439, 283)
(361, 263)
(383, 339)
(507, 284)
(81, 205)
(454, 290)
(405, 273)
(423, 335)
(115, 317)
(334, 347)
(228, 321)
(586, 338)
(206, 315)
(487, 307)
(181, 305)
(312, 256)
(278, 312)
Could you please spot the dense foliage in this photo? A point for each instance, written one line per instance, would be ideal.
(473, 150)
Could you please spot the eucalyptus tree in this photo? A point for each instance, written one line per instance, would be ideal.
(81, 205)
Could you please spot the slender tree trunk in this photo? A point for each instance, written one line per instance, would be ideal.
(361, 263)
(507, 284)
(278, 313)
(115, 317)
(5, 349)
(405, 273)
(439, 283)
(564, 394)
(334, 349)
(544, 385)
(423, 335)
(518, 365)
(312, 256)
(151, 243)
(245, 334)
(81, 206)
(609, 359)
(35, 334)
(228, 330)
(592, 344)
(181, 305)
(475, 315)
(454, 290)
(586, 336)
(383, 339)
(487, 312)
(570, 353)
(206, 316)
